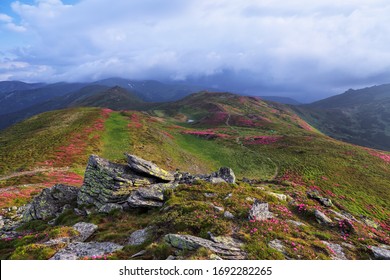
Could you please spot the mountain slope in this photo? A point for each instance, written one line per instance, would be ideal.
(271, 150)
(360, 117)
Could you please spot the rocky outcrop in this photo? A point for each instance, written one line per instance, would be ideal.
(106, 182)
(190, 243)
(151, 196)
(222, 175)
(148, 168)
(259, 211)
(50, 202)
(226, 174)
(80, 250)
(314, 194)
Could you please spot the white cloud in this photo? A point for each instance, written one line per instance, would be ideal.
(299, 43)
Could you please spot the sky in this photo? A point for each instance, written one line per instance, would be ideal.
(300, 48)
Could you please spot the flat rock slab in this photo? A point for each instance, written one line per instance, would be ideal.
(148, 168)
(138, 237)
(149, 197)
(85, 229)
(322, 218)
(259, 211)
(190, 243)
(336, 250)
(381, 253)
(80, 250)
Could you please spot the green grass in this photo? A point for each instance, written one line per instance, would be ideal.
(115, 137)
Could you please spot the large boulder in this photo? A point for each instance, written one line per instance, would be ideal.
(259, 211)
(50, 202)
(151, 196)
(191, 243)
(79, 250)
(148, 168)
(109, 183)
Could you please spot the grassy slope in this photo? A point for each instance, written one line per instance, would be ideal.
(356, 179)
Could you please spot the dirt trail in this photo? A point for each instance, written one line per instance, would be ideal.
(31, 172)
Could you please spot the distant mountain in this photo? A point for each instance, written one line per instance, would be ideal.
(115, 98)
(9, 86)
(360, 117)
(152, 91)
(281, 99)
(20, 99)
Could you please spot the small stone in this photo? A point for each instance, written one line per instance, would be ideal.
(326, 202)
(336, 251)
(79, 212)
(296, 223)
(171, 258)
(85, 229)
(216, 180)
(381, 252)
(228, 215)
(138, 237)
(322, 218)
(250, 199)
(228, 196)
(107, 208)
(277, 245)
(208, 195)
(139, 254)
(218, 209)
(259, 211)
(281, 197)
(215, 257)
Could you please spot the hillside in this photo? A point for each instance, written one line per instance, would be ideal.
(277, 159)
(360, 117)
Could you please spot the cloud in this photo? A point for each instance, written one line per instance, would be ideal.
(301, 45)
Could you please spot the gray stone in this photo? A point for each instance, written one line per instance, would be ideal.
(336, 251)
(215, 257)
(226, 174)
(381, 252)
(217, 180)
(148, 168)
(50, 202)
(190, 243)
(80, 250)
(107, 208)
(259, 211)
(228, 215)
(138, 237)
(208, 195)
(277, 245)
(218, 209)
(149, 197)
(322, 218)
(139, 254)
(106, 182)
(314, 194)
(171, 258)
(228, 196)
(326, 202)
(85, 229)
(281, 197)
(296, 223)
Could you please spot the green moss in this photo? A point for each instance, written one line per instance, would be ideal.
(33, 252)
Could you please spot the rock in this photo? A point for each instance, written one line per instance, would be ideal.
(217, 180)
(85, 229)
(226, 174)
(80, 250)
(281, 197)
(381, 252)
(106, 182)
(208, 195)
(336, 250)
(349, 246)
(370, 223)
(322, 218)
(171, 258)
(218, 209)
(215, 257)
(138, 237)
(152, 196)
(296, 223)
(50, 202)
(107, 208)
(228, 215)
(140, 253)
(190, 243)
(79, 212)
(314, 194)
(259, 211)
(277, 245)
(148, 168)
(250, 199)
(228, 196)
